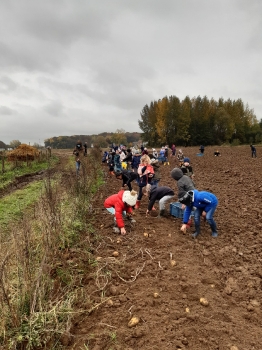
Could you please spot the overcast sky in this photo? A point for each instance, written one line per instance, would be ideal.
(70, 67)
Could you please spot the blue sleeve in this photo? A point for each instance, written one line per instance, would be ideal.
(186, 215)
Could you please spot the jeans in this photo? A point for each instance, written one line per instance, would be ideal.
(77, 167)
(140, 193)
(163, 201)
(155, 182)
(112, 211)
(209, 218)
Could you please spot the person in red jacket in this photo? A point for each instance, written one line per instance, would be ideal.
(120, 204)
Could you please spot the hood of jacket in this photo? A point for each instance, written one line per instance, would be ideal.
(177, 173)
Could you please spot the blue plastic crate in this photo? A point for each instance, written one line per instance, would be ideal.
(177, 211)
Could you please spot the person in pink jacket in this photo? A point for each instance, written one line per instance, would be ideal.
(120, 205)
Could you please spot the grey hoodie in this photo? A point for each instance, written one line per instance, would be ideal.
(184, 183)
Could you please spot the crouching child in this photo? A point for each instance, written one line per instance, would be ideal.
(162, 194)
(120, 205)
(205, 204)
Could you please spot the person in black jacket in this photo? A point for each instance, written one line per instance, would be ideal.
(127, 177)
(253, 151)
(162, 194)
(128, 159)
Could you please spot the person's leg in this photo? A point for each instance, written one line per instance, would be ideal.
(139, 197)
(163, 201)
(140, 193)
(211, 221)
(197, 215)
(112, 211)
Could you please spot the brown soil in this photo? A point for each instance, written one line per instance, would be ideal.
(141, 282)
(225, 270)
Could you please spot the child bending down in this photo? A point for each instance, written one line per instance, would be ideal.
(120, 205)
(205, 204)
(162, 194)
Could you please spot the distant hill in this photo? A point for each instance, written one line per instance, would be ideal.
(103, 140)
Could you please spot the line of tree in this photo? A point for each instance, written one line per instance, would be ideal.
(199, 120)
(103, 140)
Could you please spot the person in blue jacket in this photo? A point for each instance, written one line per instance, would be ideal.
(205, 204)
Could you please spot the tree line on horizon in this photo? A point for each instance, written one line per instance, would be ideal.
(199, 120)
(103, 139)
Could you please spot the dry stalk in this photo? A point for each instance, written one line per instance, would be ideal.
(161, 268)
(97, 305)
(129, 310)
(37, 284)
(101, 276)
(2, 282)
(138, 271)
(108, 325)
(147, 251)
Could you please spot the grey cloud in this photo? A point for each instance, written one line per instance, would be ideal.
(7, 85)
(54, 108)
(98, 62)
(6, 111)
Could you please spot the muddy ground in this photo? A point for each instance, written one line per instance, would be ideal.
(140, 282)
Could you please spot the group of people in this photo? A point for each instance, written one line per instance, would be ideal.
(144, 170)
(121, 158)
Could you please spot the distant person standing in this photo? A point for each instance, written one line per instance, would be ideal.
(85, 148)
(202, 149)
(173, 150)
(253, 151)
(79, 146)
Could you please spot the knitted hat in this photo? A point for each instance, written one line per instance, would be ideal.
(186, 160)
(130, 198)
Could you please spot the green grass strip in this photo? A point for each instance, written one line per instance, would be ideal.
(13, 205)
(10, 173)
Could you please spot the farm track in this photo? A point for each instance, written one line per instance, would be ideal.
(21, 181)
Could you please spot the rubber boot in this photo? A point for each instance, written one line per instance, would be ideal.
(162, 213)
(116, 229)
(130, 219)
(214, 230)
(194, 235)
(137, 204)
